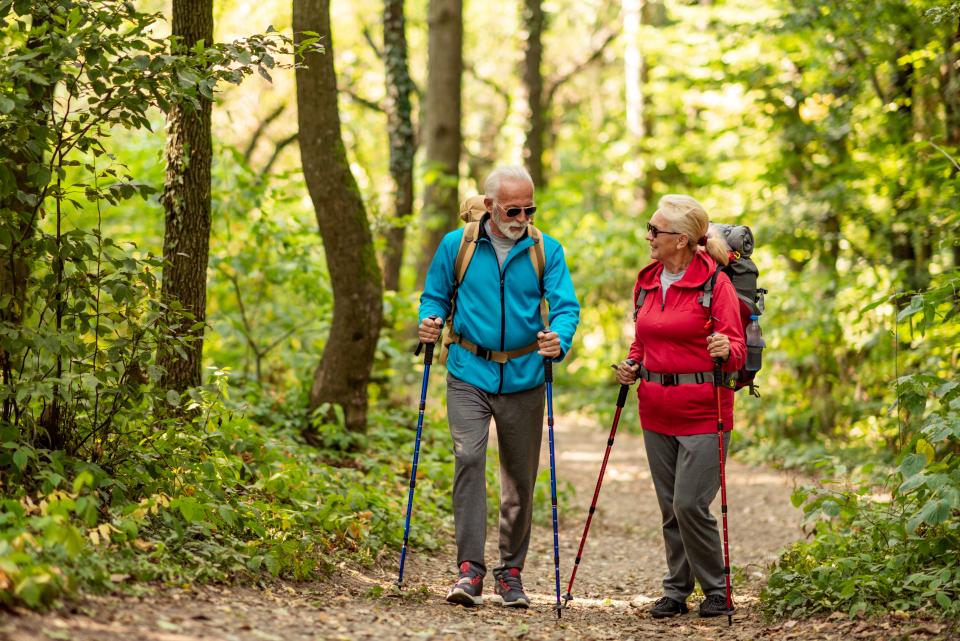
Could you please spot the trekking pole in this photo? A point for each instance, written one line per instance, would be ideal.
(621, 401)
(548, 379)
(718, 383)
(427, 360)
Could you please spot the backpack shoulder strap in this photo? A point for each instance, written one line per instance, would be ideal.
(537, 254)
(637, 304)
(468, 245)
(706, 298)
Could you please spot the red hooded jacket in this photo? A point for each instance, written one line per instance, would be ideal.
(671, 338)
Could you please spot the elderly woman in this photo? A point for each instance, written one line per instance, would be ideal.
(678, 336)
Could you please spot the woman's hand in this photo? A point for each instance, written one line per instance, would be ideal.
(718, 346)
(627, 372)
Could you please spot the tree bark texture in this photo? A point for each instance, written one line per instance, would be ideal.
(403, 145)
(441, 125)
(186, 204)
(534, 23)
(19, 217)
(343, 373)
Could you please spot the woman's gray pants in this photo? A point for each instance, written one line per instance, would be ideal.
(686, 476)
(519, 419)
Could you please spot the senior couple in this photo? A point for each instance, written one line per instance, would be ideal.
(495, 370)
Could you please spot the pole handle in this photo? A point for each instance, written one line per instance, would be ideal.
(547, 370)
(428, 357)
(718, 372)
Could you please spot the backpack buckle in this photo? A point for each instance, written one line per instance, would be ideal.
(483, 352)
(669, 380)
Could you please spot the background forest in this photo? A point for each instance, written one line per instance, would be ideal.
(212, 256)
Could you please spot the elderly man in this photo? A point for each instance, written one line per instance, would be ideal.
(495, 369)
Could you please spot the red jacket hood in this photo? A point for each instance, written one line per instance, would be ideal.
(697, 273)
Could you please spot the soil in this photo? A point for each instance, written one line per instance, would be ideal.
(618, 578)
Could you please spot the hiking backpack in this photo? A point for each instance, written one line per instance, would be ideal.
(743, 273)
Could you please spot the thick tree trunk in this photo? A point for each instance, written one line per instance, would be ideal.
(534, 24)
(403, 146)
(19, 218)
(440, 128)
(950, 92)
(186, 203)
(344, 370)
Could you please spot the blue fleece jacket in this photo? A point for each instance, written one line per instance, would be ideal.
(499, 309)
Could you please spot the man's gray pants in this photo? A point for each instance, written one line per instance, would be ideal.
(519, 419)
(686, 476)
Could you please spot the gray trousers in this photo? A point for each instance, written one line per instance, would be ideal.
(519, 419)
(686, 477)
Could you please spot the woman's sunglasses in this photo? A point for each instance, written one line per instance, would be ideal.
(653, 230)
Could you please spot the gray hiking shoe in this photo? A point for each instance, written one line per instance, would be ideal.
(510, 588)
(715, 605)
(666, 607)
(469, 587)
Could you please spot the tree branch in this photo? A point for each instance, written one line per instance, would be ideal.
(370, 41)
(261, 128)
(498, 89)
(563, 78)
(360, 100)
(280, 146)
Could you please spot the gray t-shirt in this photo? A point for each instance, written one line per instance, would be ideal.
(501, 245)
(667, 279)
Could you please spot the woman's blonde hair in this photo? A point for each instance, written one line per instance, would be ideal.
(688, 217)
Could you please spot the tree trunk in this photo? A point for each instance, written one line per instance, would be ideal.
(186, 204)
(344, 370)
(534, 23)
(403, 146)
(441, 126)
(19, 218)
(950, 92)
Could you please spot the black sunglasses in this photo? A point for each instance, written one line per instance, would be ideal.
(513, 212)
(653, 230)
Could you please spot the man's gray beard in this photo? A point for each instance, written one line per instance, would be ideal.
(504, 228)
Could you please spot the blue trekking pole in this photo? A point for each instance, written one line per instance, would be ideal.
(548, 379)
(427, 360)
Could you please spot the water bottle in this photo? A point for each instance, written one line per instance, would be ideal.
(755, 345)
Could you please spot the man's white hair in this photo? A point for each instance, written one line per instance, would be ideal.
(491, 186)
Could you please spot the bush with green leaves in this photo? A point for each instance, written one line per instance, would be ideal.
(892, 547)
(219, 499)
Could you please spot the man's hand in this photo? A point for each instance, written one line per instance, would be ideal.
(429, 330)
(627, 372)
(549, 344)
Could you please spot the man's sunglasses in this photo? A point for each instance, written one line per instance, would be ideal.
(653, 230)
(513, 212)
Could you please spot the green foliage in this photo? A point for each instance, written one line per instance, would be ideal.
(224, 498)
(890, 547)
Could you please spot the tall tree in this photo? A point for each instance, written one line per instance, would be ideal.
(403, 145)
(186, 203)
(21, 210)
(441, 124)
(343, 373)
(534, 24)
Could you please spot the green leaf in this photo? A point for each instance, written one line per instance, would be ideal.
(173, 398)
(944, 600)
(6, 105)
(911, 464)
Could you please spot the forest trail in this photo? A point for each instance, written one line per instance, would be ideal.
(619, 576)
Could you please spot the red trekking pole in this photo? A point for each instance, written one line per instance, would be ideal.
(718, 383)
(621, 401)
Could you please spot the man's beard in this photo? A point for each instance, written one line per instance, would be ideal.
(504, 226)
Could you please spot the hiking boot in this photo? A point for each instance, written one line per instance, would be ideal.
(468, 588)
(510, 589)
(715, 605)
(667, 607)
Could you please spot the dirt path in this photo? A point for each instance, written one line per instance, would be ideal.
(619, 576)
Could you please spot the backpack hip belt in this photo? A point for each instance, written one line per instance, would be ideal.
(487, 354)
(694, 378)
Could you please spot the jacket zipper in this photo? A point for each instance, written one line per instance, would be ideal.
(503, 329)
